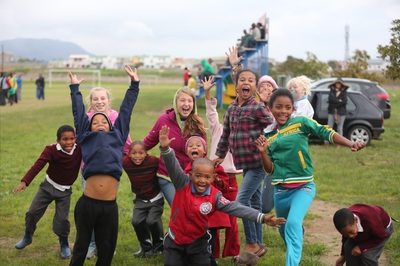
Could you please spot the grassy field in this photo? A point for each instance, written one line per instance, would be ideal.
(370, 176)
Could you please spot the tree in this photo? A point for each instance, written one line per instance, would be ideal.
(392, 52)
(313, 68)
(291, 67)
(357, 67)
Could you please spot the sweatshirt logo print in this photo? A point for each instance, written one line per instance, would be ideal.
(205, 208)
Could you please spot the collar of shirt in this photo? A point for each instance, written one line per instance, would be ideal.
(59, 148)
(359, 226)
(207, 192)
(303, 98)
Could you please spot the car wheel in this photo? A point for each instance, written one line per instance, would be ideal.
(360, 133)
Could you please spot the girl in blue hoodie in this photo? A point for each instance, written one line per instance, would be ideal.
(102, 152)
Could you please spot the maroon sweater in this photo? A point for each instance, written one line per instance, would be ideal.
(63, 168)
(143, 177)
(374, 220)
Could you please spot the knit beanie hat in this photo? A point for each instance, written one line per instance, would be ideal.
(268, 79)
(106, 116)
(197, 137)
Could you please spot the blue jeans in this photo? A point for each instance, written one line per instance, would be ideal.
(167, 188)
(340, 123)
(293, 204)
(249, 194)
(267, 195)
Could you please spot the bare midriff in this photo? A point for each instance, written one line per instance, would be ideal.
(101, 187)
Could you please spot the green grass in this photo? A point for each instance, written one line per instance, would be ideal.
(369, 176)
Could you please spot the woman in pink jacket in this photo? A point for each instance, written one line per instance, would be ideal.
(183, 122)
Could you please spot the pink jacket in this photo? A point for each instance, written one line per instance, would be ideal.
(216, 132)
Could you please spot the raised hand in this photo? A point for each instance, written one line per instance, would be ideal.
(132, 73)
(233, 56)
(74, 79)
(163, 137)
(208, 83)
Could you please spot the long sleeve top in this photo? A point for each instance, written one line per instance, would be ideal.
(63, 168)
(143, 177)
(337, 102)
(102, 151)
(152, 139)
(374, 221)
(216, 129)
(288, 149)
(190, 211)
(243, 124)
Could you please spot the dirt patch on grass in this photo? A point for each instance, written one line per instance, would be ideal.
(322, 230)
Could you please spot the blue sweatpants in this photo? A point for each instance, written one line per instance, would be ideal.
(293, 204)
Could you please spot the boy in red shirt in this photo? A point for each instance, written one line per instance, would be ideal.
(64, 159)
(194, 202)
(365, 230)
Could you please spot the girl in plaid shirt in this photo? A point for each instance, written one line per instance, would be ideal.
(244, 121)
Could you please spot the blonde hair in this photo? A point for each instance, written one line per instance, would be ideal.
(300, 82)
(88, 98)
(194, 123)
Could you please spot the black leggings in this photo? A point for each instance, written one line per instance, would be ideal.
(102, 217)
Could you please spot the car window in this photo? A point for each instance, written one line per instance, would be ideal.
(354, 86)
(324, 103)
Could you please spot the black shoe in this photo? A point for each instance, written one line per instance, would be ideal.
(139, 254)
(27, 240)
(153, 253)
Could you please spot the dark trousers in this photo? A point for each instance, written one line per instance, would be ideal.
(146, 220)
(46, 195)
(195, 254)
(102, 217)
(3, 96)
(370, 257)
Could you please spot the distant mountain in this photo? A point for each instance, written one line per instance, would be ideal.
(41, 49)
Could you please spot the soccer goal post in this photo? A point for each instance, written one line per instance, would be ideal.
(88, 74)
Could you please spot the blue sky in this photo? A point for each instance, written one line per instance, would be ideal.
(203, 28)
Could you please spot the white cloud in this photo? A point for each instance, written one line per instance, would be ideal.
(206, 29)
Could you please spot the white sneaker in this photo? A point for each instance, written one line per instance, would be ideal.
(92, 252)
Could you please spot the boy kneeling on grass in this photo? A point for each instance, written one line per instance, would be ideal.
(187, 239)
(365, 230)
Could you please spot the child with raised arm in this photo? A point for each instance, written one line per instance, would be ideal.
(365, 230)
(141, 169)
(285, 155)
(100, 100)
(196, 147)
(232, 242)
(102, 151)
(64, 159)
(195, 200)
(244, 121)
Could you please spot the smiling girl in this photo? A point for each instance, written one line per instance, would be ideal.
(184, 122)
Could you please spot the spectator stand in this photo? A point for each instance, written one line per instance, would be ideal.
(255, 58)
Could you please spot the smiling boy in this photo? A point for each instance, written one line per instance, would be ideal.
(195, 201)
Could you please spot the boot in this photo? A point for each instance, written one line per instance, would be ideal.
(26, 240)
(64, 247)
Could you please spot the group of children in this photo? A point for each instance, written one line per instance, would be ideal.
(264, 137)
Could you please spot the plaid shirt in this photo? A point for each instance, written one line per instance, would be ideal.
(242, 126)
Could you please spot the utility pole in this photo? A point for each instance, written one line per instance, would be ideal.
(346, 52)
(2, 58)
